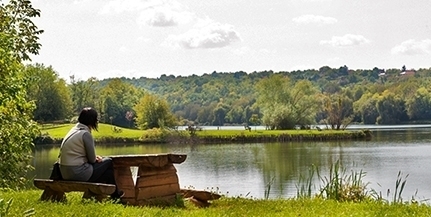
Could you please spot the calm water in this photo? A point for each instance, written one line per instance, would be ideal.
(246, 169)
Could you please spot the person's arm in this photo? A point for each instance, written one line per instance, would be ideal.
(89, 147)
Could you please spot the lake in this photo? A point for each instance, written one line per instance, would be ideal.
(248, 169)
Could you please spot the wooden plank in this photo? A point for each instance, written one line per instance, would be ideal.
(157, 191)
(198, 202)
(159, 179)
(51, 195)
(151, 171)
(177, 158)
(200, 195)
(124, 180)
(149, 160)
(68, 186)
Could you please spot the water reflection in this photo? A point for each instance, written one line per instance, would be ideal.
(246, 169)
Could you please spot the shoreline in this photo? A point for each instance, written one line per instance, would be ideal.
(220, 138)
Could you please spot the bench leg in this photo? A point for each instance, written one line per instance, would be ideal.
(90, 195)
(51, 195)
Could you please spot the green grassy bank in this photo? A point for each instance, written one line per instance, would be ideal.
(27, 202)
(53, 134)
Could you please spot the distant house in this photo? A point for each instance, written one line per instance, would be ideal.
(408, 72)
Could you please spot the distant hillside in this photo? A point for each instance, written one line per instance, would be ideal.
(194, 97)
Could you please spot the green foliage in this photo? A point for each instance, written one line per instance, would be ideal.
(5, 206)
(418, 105)
(342, 187)
(85, 94)
(337, 110)
(391, 109)
(17, 130)
(15, 21)
(153, 112)
(285, 105)
(49, 92)
(119, 98)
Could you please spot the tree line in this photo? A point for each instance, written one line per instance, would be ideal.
(336, 97)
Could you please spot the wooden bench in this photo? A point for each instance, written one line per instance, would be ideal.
(55, 190)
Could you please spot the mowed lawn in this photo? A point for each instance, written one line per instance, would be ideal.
(106, 130)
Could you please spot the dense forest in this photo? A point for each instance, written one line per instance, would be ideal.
(280, 100)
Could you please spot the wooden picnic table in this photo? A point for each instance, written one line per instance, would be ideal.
(156, 181)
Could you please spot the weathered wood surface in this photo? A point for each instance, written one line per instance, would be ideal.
(55, 190)
(124, 181)
(200, 195)
(148, 160)
(156, 179)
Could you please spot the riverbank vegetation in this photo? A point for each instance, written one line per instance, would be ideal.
(53, 134)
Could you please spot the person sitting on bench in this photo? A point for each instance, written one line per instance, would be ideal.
(78, 159)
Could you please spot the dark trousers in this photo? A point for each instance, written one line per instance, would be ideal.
(103, 172)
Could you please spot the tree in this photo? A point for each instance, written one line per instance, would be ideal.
(285, 105)
(119, 98)
(391, 108)
(418, 106)
(85, 94)
(255, 120)
(15, 21)
(366, 108)
(18, 38)
(219, 114)
(153, 112)
(49, 92)
(17, 130)
(338, 110)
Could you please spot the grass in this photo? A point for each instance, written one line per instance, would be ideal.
(109, 133)
(105, 130)
(28, 202)
(58, 131)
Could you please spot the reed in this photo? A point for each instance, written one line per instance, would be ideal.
(268, 188)
(337, 185)
(342, 187)
(305, 186)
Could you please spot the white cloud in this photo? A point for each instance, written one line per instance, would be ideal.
(242, 51)
(334, 59)
(142, 39)
(317, 0)
(151, 12)
(345, 41)
(165, 15)
(307, 19)
(210, 35)
(123, 49)
(413, 47)
(120, 6)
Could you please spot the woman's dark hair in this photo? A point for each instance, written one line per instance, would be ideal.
(88, 117)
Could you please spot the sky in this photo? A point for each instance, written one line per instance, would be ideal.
(149, 38)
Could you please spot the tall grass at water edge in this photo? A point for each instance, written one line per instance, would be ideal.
(348, 187)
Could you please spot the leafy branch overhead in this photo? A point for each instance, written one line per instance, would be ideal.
(16, 21)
